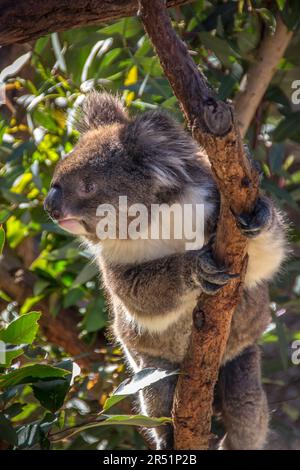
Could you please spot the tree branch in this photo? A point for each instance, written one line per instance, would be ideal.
(26, 20)
(260, 74)
(213, 126)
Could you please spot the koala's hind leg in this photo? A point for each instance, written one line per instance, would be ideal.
(244, 403)
(157, 401)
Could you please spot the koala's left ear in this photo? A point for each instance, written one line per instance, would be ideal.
(159, 143)
(157, 132)
(100, 109)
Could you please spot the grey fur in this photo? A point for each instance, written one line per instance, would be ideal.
(153, 287)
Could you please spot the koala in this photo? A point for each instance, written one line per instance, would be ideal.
(152, 285)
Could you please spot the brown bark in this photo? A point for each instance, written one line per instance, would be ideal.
(214, 127)
(25, 20)
(62, 329)
(260, 74)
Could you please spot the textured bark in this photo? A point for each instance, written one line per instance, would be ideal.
(26, 20)
(62, 329)
(213, 125)
(260, 74)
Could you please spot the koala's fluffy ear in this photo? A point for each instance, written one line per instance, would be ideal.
(159, 143)
(100, 109)
(156, 131)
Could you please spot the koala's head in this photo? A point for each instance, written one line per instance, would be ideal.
(149, 159)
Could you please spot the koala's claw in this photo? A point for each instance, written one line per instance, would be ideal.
(210, 276)
(209, 288)
(251, 225)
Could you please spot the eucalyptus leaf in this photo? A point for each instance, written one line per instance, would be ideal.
(2, 239)
(22, 330)
(51, 393)
(88, 272)
(124, 420)
(7, 432)
(30, 374)
(138, 382)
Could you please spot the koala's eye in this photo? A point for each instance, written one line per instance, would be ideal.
(87, 187)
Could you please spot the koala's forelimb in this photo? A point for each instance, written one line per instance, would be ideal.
(170, 278)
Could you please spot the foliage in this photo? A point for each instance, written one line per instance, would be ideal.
(46, 400)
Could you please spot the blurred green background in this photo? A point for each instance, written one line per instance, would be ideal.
(42, 269)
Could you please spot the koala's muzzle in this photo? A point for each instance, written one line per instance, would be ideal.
(53, 202)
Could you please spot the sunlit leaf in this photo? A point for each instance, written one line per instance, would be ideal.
(30, 374)
(22, 330)
(139, 381)
(2, 239)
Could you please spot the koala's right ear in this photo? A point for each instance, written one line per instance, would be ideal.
(100, 109)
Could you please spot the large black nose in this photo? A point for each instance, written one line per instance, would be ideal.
(53, 202)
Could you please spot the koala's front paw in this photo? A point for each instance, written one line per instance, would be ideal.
(209, 275)
(251, 225)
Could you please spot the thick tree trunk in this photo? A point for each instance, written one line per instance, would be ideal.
(25, 20)
(214, 127)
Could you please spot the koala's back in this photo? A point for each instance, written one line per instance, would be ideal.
(249, 321)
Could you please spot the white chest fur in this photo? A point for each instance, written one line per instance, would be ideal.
(141, 250)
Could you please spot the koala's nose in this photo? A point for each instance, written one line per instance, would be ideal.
(53, 201)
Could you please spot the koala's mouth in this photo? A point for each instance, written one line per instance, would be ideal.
(72, 225)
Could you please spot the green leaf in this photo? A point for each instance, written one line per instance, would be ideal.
(67, 251)
(28, 435)
(14, 410)
(5, 213)
(220, 47)
(39, 287)
(51, 393)
(282, 341)
(249, 38)
(127, 28)
(281, 4)
(95, 317)
(136, 420)
(276, 157)
(40, 44)
(35, 433)
(7, 432)
(23, 330)
(288, 128)
(73, 296)
(98, 49)
(9, 354)
(124, 420)
(30, 302)
(227, 85)
(87, 273)
(291, 14)
(276, 94)
(58, 52)
(281, 194)
(30, 374)
(2, 239)
(268, 18)
(46, 120)
(140, 380)
(112, 401)
(4, 296)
